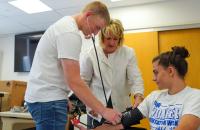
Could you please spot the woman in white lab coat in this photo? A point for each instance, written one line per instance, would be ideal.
(119, 69)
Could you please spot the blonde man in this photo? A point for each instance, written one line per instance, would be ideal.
(120, 72)
(55, 69)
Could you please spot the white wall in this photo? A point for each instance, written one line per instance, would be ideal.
(7, 60)
(172, 14)
(0, 62)
(162, 14)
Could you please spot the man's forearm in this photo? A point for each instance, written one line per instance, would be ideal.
(83, 92)
(71, 71)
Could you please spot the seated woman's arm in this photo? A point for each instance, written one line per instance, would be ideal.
(188, 122)
(109, 127)
(102, 127)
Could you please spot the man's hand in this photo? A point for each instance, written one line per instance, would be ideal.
(112, 115)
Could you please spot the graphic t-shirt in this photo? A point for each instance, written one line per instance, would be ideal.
(165, 111)
(164, 116)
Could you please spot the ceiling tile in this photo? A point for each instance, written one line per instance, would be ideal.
(43, 17)
(9, 10)
(41, 27)
(69, 11)
(60, 4)
(13, 28)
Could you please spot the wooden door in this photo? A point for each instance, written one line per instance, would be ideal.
(190, 38)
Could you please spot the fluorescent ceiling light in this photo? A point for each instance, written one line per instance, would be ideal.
(115, 0)
(30, 6)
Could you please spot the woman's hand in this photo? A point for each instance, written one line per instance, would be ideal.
(138, 98)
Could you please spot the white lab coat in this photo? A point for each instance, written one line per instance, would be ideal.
(120, 73)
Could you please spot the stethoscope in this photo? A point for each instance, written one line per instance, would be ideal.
(92, 35)
(93, 41)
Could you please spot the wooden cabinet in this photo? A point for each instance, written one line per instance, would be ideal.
(13, 93)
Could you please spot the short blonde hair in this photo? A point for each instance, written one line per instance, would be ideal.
(99, 9)
(116, 29)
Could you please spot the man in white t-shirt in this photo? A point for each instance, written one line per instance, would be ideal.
(55, 69)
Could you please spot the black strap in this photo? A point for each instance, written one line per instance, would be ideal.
(104, 91)
(110, 105)
(131, 117)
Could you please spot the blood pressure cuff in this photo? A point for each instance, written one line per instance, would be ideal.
(131, 117)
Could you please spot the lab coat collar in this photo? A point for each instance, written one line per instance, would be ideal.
(104, 59)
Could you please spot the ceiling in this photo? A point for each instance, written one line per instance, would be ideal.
(15, 21)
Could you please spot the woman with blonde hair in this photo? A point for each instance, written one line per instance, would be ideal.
(120, 72)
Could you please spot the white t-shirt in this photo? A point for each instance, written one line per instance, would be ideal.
(46, 79)
(165, 111)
